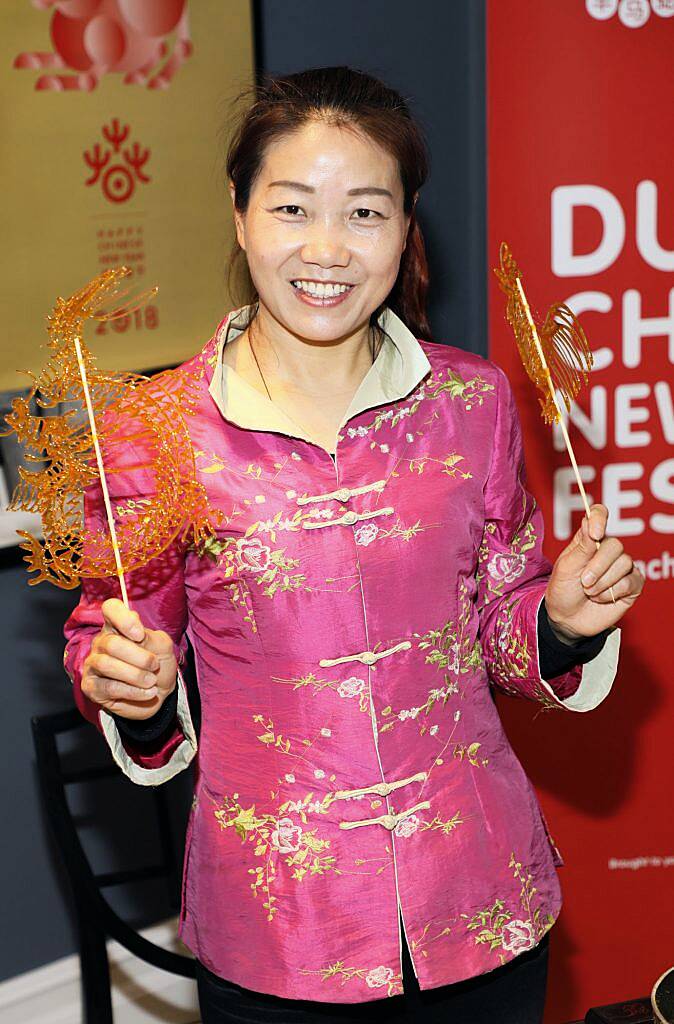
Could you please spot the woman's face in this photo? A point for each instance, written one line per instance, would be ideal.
(326, 207)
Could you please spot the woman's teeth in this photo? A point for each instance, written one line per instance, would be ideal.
(325, 291)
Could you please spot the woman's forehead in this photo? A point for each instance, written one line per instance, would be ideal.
(324, 156)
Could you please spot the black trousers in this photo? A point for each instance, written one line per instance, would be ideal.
(511, 994)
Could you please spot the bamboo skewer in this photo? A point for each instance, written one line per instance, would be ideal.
(101, 473)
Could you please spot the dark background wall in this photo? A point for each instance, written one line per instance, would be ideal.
(433, 53)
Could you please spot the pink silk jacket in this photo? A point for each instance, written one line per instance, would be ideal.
(348, 622)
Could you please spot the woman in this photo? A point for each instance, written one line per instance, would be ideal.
(363, 842)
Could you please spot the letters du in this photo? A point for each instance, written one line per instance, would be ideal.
(632, 403)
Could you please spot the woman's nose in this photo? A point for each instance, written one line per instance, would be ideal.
(324, 245)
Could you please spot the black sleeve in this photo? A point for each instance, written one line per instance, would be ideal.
(150, 730)
(556, 657)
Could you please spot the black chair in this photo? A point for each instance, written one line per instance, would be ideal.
(96, 919)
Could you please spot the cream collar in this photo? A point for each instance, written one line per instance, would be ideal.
(400, 365)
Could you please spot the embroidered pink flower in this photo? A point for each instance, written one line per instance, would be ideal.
(252, 554)
(504, 642)
(407, 826)
(379, 976)
(506, 567)
(517, 936)
(351, 687)
(454, 662)
(286, 838)
(366, 534)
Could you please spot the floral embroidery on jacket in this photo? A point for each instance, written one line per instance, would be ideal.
(349, 688)
(437, 824)
(270, 568)
(469, 392)
(368, 532)
(413, 823)
(273, 834)
(271, 738)
(450, 465)
(470, 753)
(510, 655)
(497, 927)
(452, 651)
(543, 697)
(498, 568)
(374, 977)
(417, 945)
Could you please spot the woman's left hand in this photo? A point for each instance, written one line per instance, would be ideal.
(578, 606)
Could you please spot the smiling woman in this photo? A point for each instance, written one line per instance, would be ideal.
(322, 264)
(363, 844)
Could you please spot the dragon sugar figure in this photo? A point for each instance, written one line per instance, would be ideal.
(131, 438)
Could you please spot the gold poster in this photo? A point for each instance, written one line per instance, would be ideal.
(113, 127)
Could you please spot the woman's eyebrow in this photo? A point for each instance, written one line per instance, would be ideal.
(367, 190)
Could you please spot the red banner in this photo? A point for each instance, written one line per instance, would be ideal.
(580, 185)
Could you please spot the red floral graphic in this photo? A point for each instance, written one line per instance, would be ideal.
(94, 37)
(118, 170)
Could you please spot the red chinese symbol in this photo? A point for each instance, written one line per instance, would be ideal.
(118, 180)
(94, 37)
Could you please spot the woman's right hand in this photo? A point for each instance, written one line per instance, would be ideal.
(130, 670)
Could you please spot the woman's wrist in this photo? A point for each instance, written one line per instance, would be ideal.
(563, 636)
(148, 729)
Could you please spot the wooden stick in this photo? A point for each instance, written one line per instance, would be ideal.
(101, 473)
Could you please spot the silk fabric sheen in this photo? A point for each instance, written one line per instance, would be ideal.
(349, 623)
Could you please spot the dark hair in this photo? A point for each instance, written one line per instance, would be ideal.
(343, 97)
